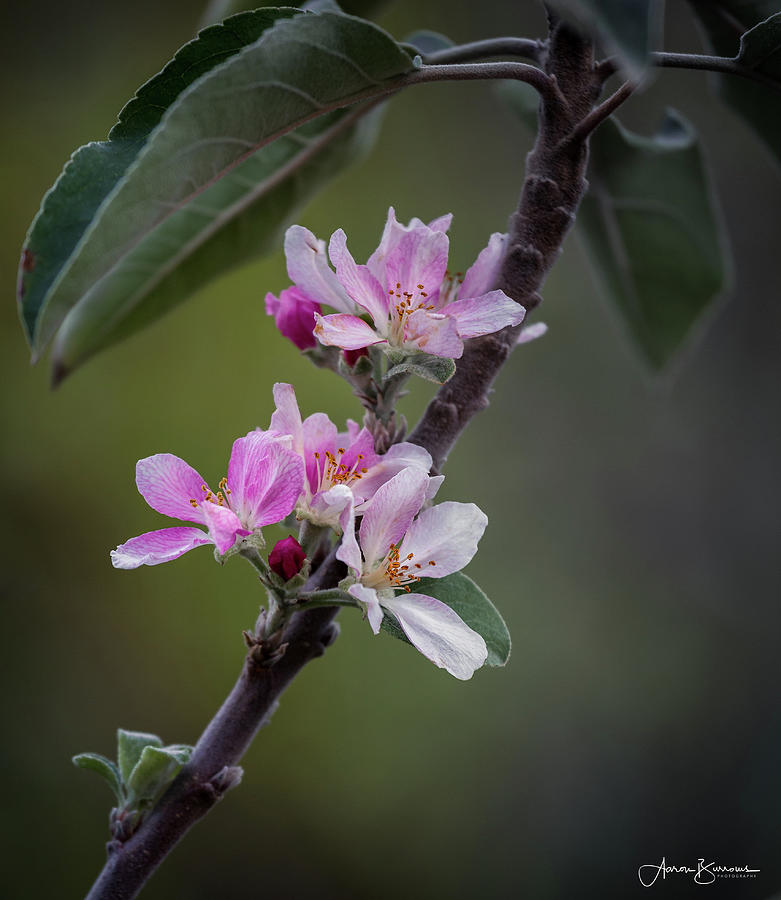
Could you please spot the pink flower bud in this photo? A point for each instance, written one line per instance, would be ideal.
(294, 314)
(351, 357)
(287, 558)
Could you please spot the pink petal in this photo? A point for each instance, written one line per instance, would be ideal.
(482, 274)
(224, 526)
(446, 534)
(320, 437)
(265, 479)
(327, 506)
(168, 483)
(420, 257)
(347, 332)
(286, 418)
(294, 316)
(368, 598)
(439, 633)
(157, 547)
(433, 333)
(393, 233)
(307, 266)
(362, 445)
(358, 281)
(398, 457)
(389, 514)
(484, 315)
(532, 332)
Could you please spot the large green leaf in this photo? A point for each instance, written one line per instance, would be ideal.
(95, 169)
(750, 31)
(630, 29)
(651, 232)
(462, 595)
(214, 181)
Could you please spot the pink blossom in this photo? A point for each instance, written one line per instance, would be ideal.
(343, 472)
(404, 289)
(399, 545)
(264, 481)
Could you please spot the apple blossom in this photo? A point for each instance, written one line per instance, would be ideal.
(264, 481)
(405, 289)
(399, 545)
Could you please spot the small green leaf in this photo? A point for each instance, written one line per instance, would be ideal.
(651, 232)
(130, 746)
(630, 29)
(105, 768)
(156, 768)
(464, 597)
(758, 48)
(432, 368)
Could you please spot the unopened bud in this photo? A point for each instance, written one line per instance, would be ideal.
(287, 558)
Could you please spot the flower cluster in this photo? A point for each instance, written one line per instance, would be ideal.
(309, 468)
(403, 299)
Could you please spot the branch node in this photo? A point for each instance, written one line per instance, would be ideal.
(228, 777)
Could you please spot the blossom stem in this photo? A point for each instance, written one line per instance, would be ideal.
(327, 597)
(310, 536)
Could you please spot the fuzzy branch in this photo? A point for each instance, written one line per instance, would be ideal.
(553, 187)
(555, 182)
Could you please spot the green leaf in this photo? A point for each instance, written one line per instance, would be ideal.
(130, 746)
(432, 368)
(759, 48)
(630, 29)
(105, 768)
(651, 232)
(95, 169)
(217, 178)
(462, 595)
(156, 768)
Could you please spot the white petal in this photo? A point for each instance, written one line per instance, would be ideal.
(368, 598)
(446, 534)
(439, 633)
(389, 514)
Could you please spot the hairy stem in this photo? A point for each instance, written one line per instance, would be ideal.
(726, 65)
(552, 189)
(492, 47)
(555, 182)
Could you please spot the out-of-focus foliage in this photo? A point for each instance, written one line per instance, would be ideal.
(629, 29)
(751, 32)
(651, 232)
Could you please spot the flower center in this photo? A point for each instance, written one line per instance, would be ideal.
(396, 572)
(333, 471)
(221, 498)
(406, 302)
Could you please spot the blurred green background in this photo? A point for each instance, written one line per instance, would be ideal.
(632, 544)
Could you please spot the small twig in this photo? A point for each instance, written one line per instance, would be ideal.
(492, 47)
(726, 65)
(515, 71)
(598, 115)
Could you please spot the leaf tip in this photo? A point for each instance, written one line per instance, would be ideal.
(59, 371)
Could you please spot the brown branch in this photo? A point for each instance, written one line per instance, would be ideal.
(555, 182)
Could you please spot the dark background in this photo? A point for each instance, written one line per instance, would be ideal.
(632, 544)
